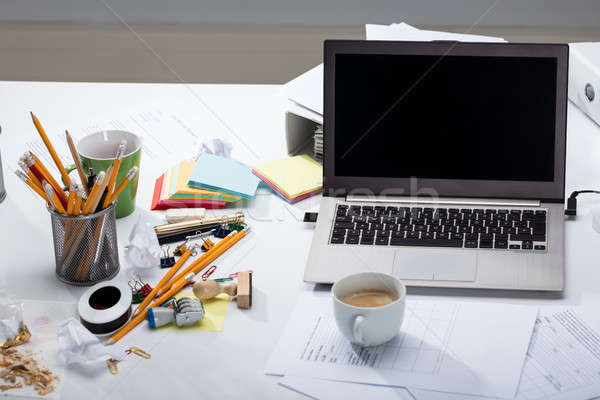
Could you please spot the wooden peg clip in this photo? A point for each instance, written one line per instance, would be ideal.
(207, 289)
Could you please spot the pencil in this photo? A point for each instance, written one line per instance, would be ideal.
(40, 170)
(78, 201)
(31, 184)
(77, 162)
(142, 315)
(210, 255)
(71, 198)
(113, 176)
(94, 193)
(42, 132)
(121, 186)
(54, 198)
(163, 281)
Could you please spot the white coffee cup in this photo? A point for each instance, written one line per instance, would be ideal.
(369, 326)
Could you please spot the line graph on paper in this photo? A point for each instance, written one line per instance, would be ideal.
(563, 359)
(419, 347)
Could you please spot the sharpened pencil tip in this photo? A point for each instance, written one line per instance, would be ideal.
(109, 342)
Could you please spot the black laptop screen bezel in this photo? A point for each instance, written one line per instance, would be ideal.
(533, 190)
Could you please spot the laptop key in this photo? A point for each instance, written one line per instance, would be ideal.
(485, 244)
(339, 232)
(368, 233)
(353, 232)
(442, 235)
(352, 240)
(539, 247)
(367, 240)
(486, 236)
(343, 225)
(471, 236)
(343, 218)
(426, 242)
(501, 244)
(527, 245)
(382, 241)
(337, 239)
(412, 235)
(471, 244)
(398, 235)
(514, 246)
(427, 235)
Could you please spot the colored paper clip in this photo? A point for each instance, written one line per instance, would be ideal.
(235, 274)
(137, 351)
(111, 363)
(209, 272)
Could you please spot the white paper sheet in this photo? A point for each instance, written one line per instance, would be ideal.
(306, 91)
(563, 363)
(404, 31)
(324, 389)
(473, 348)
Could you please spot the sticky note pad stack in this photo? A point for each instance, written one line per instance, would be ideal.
(293, 178)
(171, 191)
(223, 175)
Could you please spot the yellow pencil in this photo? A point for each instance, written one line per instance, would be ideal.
(54, 198)
(42, 132)
(31, 184)
(163, 281)
(36, 165)
(78, 201)
(94, 193)
(115, 171)
(121, 186)
(71, 199)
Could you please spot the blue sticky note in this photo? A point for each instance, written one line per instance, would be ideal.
(224, 175)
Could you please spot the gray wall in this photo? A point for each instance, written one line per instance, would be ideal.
(549, 13)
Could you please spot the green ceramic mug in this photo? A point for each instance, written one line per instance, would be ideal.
(98, 150)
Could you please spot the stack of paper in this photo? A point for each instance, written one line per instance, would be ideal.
(171, 191)
(223, 175)
(293, 178)
(561, 360)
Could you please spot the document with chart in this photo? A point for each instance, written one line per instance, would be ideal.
(461, 347)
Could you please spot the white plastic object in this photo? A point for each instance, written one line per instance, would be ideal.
(184, 214)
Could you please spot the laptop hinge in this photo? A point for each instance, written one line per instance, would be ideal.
(444, 200)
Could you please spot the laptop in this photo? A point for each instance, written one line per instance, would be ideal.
(444, 164)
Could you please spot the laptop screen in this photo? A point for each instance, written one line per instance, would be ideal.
(489, 118)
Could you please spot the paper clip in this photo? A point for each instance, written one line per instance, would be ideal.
(235, 274)
(139, 352)
(209, 272)
(223, 279)
(111, 363)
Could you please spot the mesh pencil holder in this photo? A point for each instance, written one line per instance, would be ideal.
(85, 247)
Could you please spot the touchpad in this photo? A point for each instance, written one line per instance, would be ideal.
(436, 265)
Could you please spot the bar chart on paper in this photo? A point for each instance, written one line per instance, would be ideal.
(442, 345)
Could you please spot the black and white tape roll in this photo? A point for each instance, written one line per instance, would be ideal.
(105, 307)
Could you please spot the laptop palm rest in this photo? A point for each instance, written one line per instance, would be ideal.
(437, 265)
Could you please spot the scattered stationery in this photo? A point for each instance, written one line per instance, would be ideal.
(442, 345)
(293, 178)
(224, 175)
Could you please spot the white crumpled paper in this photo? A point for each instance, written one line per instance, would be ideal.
(143, 250)
(216, 146)
(78, 345)
(11, 316)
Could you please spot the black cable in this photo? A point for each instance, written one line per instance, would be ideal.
(571, 209)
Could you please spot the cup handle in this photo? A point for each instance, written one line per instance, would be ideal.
(68, 168)
(357, 330)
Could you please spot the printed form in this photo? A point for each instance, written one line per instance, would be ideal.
(442, 345)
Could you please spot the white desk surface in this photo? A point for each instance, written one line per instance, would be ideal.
(227, 364)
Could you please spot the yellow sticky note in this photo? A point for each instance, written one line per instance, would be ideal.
(214, 315)
(294, 176)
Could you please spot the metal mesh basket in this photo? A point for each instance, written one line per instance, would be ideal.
(85, 247)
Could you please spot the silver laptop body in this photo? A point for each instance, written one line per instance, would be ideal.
(443, 164)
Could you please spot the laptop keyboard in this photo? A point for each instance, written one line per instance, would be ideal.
(489, 228)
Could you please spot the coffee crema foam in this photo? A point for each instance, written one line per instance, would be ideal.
(369, 298)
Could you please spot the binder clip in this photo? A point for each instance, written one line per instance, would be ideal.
(207, 244)
(236, 227)
(167, 261)
(179, 250)
(139, 290)
(221, 232)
